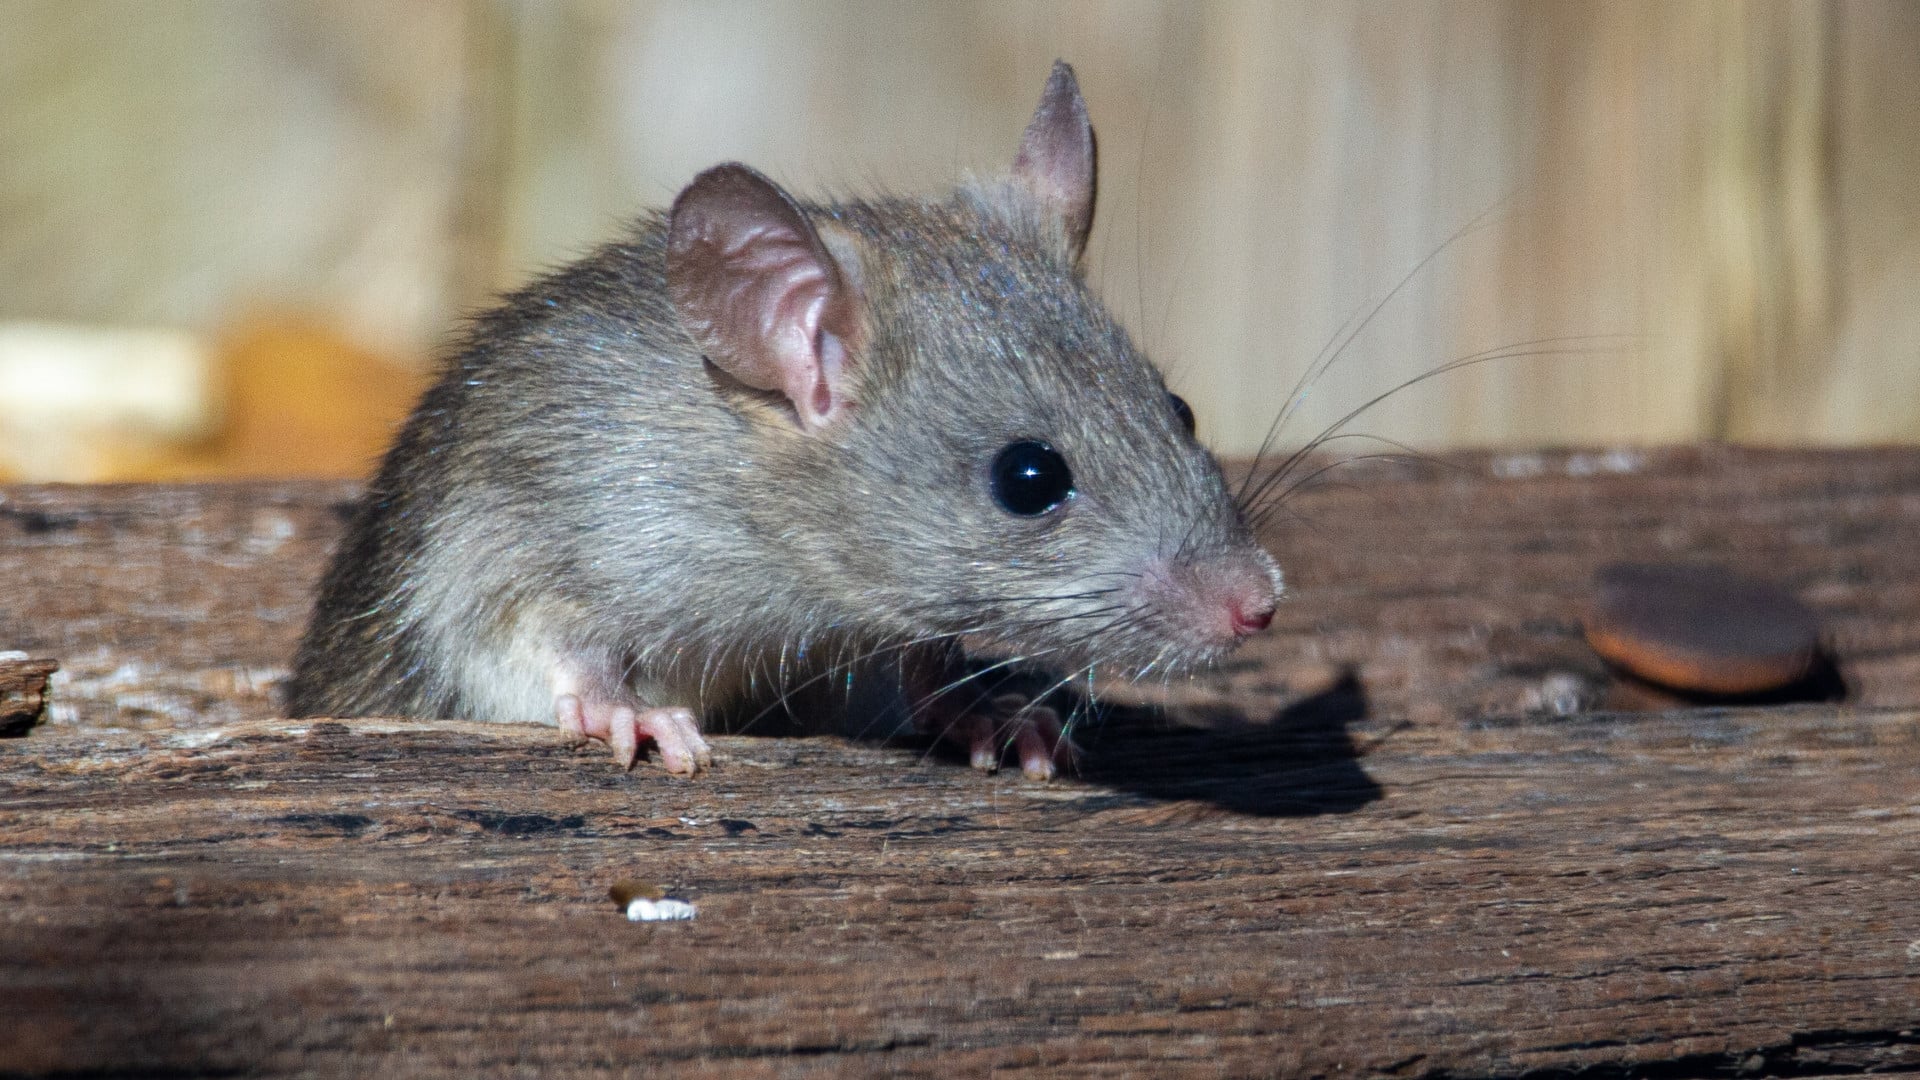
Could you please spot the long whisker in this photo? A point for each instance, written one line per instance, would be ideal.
(837, 668)
(1337, 344)
(1013, 729)
(1515, 350)
(1259, 517)
(920, 708)
(1047, 598)
(1518, 351)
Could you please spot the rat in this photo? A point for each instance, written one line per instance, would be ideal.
(758, 442)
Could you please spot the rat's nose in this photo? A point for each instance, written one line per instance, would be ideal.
(1216, 601)
(1244, 594)
(1251, 618)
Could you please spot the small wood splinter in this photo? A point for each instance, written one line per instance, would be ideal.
(23, 692)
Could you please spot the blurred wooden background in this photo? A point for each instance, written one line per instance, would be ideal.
(313, 190)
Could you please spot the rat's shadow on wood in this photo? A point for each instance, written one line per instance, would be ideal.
(1301, 762)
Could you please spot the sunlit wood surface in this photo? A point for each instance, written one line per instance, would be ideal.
(1417, 830)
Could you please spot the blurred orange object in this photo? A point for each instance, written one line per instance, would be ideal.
(299, 399)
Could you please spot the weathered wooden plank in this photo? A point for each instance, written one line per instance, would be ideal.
(1368, 847)
(1491, 900)
(167, 605)
(1452, 588)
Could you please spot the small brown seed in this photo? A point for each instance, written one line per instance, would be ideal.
(1701, 628)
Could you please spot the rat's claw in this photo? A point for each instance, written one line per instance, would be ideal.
(1033, 731)
(985, 729)
(623, 737)
(677, 735)
(623, 728)
(568, 713)
(1042, 747)
(983, 743)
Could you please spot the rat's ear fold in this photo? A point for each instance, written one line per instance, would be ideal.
(760, 293)
(1056, 158)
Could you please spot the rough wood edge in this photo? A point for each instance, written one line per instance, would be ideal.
(23, 694)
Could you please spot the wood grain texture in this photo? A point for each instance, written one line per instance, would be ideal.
(1452, 587)
(1479, 899)
(165, 605)
(1398, 837)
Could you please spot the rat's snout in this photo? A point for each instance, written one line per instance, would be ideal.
(1242, 592)
(1218, 600)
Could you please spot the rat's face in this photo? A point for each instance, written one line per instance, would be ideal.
(1021, 474)
(963, 441)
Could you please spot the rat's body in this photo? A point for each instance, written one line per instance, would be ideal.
(756, 434)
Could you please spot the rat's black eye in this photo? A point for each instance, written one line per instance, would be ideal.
(1182, 410)
(1030, 478)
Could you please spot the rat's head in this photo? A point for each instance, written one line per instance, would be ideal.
(960, 438)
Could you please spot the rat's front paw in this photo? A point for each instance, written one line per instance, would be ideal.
(1033, 732)
(674, 732)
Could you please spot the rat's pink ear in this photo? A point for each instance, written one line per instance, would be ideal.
(1056, 158)
(760, 293)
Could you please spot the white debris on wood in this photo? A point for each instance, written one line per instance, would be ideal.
(665, 909)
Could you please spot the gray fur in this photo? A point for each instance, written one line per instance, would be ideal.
(579, 485)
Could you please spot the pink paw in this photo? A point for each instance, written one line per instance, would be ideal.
(674, 732)
(1011, 720)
